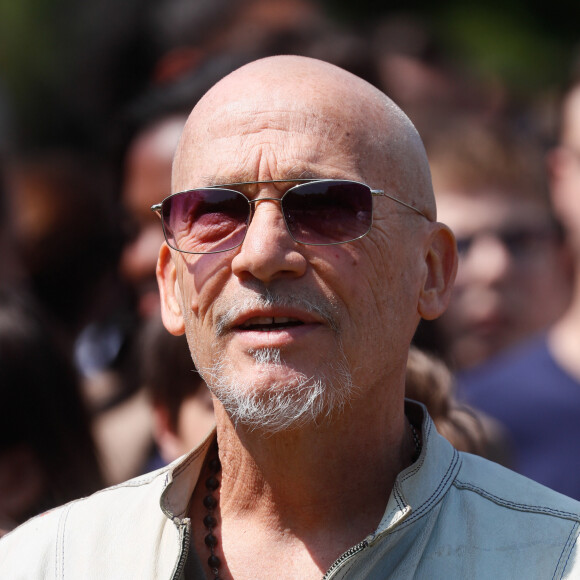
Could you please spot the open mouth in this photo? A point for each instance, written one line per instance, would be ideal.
(270, 323)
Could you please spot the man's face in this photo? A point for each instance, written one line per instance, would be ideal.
(273, 313)
(510, 278)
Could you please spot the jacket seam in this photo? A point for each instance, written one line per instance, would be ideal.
(517, 506)
(399, 499)
(561, 567)
(59, 561)
(435, 497)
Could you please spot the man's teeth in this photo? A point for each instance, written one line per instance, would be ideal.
(269, 321)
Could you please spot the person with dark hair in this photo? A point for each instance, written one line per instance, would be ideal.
(182, 406)
(47, 455)
(514, 275)
(301, 249)
(61, 209)
(534, 388)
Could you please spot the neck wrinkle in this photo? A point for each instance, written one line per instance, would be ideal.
(299, 479)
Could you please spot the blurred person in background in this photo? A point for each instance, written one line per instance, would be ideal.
(124, 429)
(61, 210)
(564, 165)
(534, 389)
(147, 177)
(419, 73)
(47, 455)
(186, 35)
(429, 381)
(182, 405)
(514, 274)
(67, 239)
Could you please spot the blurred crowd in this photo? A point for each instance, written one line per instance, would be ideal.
(95, 391)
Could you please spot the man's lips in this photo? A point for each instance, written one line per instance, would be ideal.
(272, 320)
(268, 323)
(272, 313)
(273, 331)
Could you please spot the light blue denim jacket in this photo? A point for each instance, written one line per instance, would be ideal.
(450, 515)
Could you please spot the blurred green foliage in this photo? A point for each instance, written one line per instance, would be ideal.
(528, 46)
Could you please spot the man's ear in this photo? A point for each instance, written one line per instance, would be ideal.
(169, 292)
(441, 262)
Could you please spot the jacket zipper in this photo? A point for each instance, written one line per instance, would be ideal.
(346, 556)
(184, 532)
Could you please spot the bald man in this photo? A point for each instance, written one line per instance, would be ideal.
(301, 250)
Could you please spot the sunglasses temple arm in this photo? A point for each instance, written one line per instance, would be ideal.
(381, 193)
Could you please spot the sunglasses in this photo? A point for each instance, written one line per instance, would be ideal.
(318, 212)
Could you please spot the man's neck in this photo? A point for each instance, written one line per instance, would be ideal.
(311, 492)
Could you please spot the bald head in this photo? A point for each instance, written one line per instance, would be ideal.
(297, 95)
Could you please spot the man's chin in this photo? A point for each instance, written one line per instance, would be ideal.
(270, 394)
(274, 406)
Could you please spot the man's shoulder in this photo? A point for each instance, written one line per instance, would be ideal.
(503, 488)
(84, 522)
(507, 522)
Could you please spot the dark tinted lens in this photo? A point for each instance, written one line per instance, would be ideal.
(328, 212)
(205, 220)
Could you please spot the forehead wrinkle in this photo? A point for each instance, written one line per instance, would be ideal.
(263, 147)
(290, 121)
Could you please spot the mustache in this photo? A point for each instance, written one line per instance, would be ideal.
(231, 308)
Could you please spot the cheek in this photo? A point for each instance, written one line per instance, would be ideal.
(202, 279)
(373, 296)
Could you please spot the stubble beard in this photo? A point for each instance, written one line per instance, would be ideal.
(277, 406)
(280, 406)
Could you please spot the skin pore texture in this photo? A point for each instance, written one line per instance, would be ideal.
(313, 478)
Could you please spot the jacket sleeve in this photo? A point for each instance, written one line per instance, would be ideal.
(29, 551)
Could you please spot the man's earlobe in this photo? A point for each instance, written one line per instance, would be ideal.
(169, 292)
(441, 262)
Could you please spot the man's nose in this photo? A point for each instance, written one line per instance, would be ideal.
(268, 251)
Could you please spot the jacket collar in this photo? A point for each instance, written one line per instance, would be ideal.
(423, 484)
(181, 479)
(417, 488)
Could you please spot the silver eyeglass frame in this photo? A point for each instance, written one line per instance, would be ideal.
(156, 208)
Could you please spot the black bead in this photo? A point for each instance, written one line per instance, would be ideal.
(210, 502)
(214, 561)
(212, 483)
(215, 465)
(209, 522)
(210, 541)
